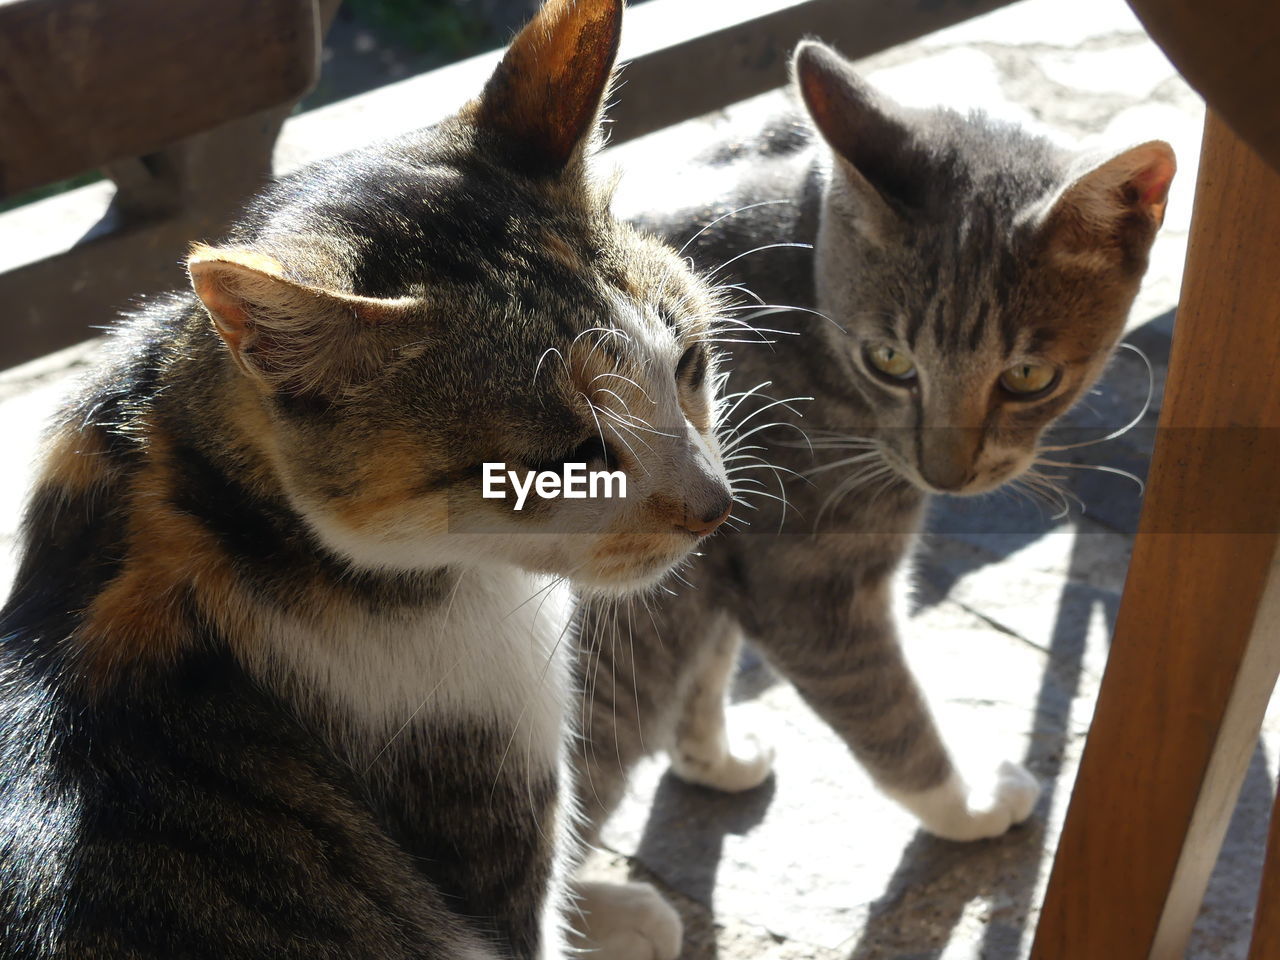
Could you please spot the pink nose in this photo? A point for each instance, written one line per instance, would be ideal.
(701, 526)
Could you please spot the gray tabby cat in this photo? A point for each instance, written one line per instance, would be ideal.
(976, 279)
(276, 679)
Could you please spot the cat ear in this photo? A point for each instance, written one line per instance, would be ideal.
(288, 335)
(1116, 207)
(860, 125)
(544, 100)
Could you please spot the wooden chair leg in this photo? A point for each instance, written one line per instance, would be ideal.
(1196, 650)
(1266, 921)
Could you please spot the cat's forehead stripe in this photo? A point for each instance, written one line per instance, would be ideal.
(977, 332)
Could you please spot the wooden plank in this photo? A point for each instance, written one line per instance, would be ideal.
(1266, 921)
(1227, 51)
(681, 59)
(1197, 640)
(86, 83)
(684, 59)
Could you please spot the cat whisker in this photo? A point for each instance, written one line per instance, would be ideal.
(766, 493)
(635, 423)
(1142, 487)
(786, 403)
(635, 688)
(619, 425)
(759, 249)
(874, 454)
(630, 449)
(742, 395)
(1054, 501)
(876, 470)
(740, 288)
(623, 379)
(763, 340)
(1146, 406)
(531, 597)
(831, 440)
(766, 426)
(626, 408)
(1050, 484)
(740, 323)
(448, 612)
(726, 216)
(545, 354)
(762, 464)
(768, 309)
(542, 676)
(600, 430)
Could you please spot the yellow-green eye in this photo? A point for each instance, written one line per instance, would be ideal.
(1028, 378)
(891, 361)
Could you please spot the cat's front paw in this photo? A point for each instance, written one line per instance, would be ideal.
(714, 763)
(957, 811)
(626, 921)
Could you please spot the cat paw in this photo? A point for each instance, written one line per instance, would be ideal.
(721, 767)
(626, 921)
(956, 811)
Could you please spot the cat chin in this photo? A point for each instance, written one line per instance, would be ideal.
(614, 583)
(977, 488)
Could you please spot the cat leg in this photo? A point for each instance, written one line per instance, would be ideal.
(702, 752)
(633, 661)
(957, 809)
(626, 921)
(841, 651)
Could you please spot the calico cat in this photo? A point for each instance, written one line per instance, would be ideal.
(277, 679)
(967, 282)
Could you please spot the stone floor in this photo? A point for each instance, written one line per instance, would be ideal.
(1010, 617)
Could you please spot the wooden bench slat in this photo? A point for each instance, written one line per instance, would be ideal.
(84, 83)
(1227, 51)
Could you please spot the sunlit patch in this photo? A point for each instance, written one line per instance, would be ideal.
(140, 617)
(77, 460)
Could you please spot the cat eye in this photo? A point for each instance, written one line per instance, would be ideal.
(692, 368)
(891, 362)
(1029, 379)
(592, 451)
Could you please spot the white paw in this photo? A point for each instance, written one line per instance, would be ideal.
(626, 921)
(721, 767)
(954, 811)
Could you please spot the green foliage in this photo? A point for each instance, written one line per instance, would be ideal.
(443, 28)
(49, 190)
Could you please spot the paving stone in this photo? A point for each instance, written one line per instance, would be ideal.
(807, 855)
(1134, 69)
(1065, 25)
(974, 79)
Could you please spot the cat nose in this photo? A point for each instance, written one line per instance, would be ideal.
(702, 522)
(948, 456)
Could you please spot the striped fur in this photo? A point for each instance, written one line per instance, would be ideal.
(969, 245)
(277, 680)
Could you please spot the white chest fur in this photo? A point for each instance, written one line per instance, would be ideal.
(493, 653)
